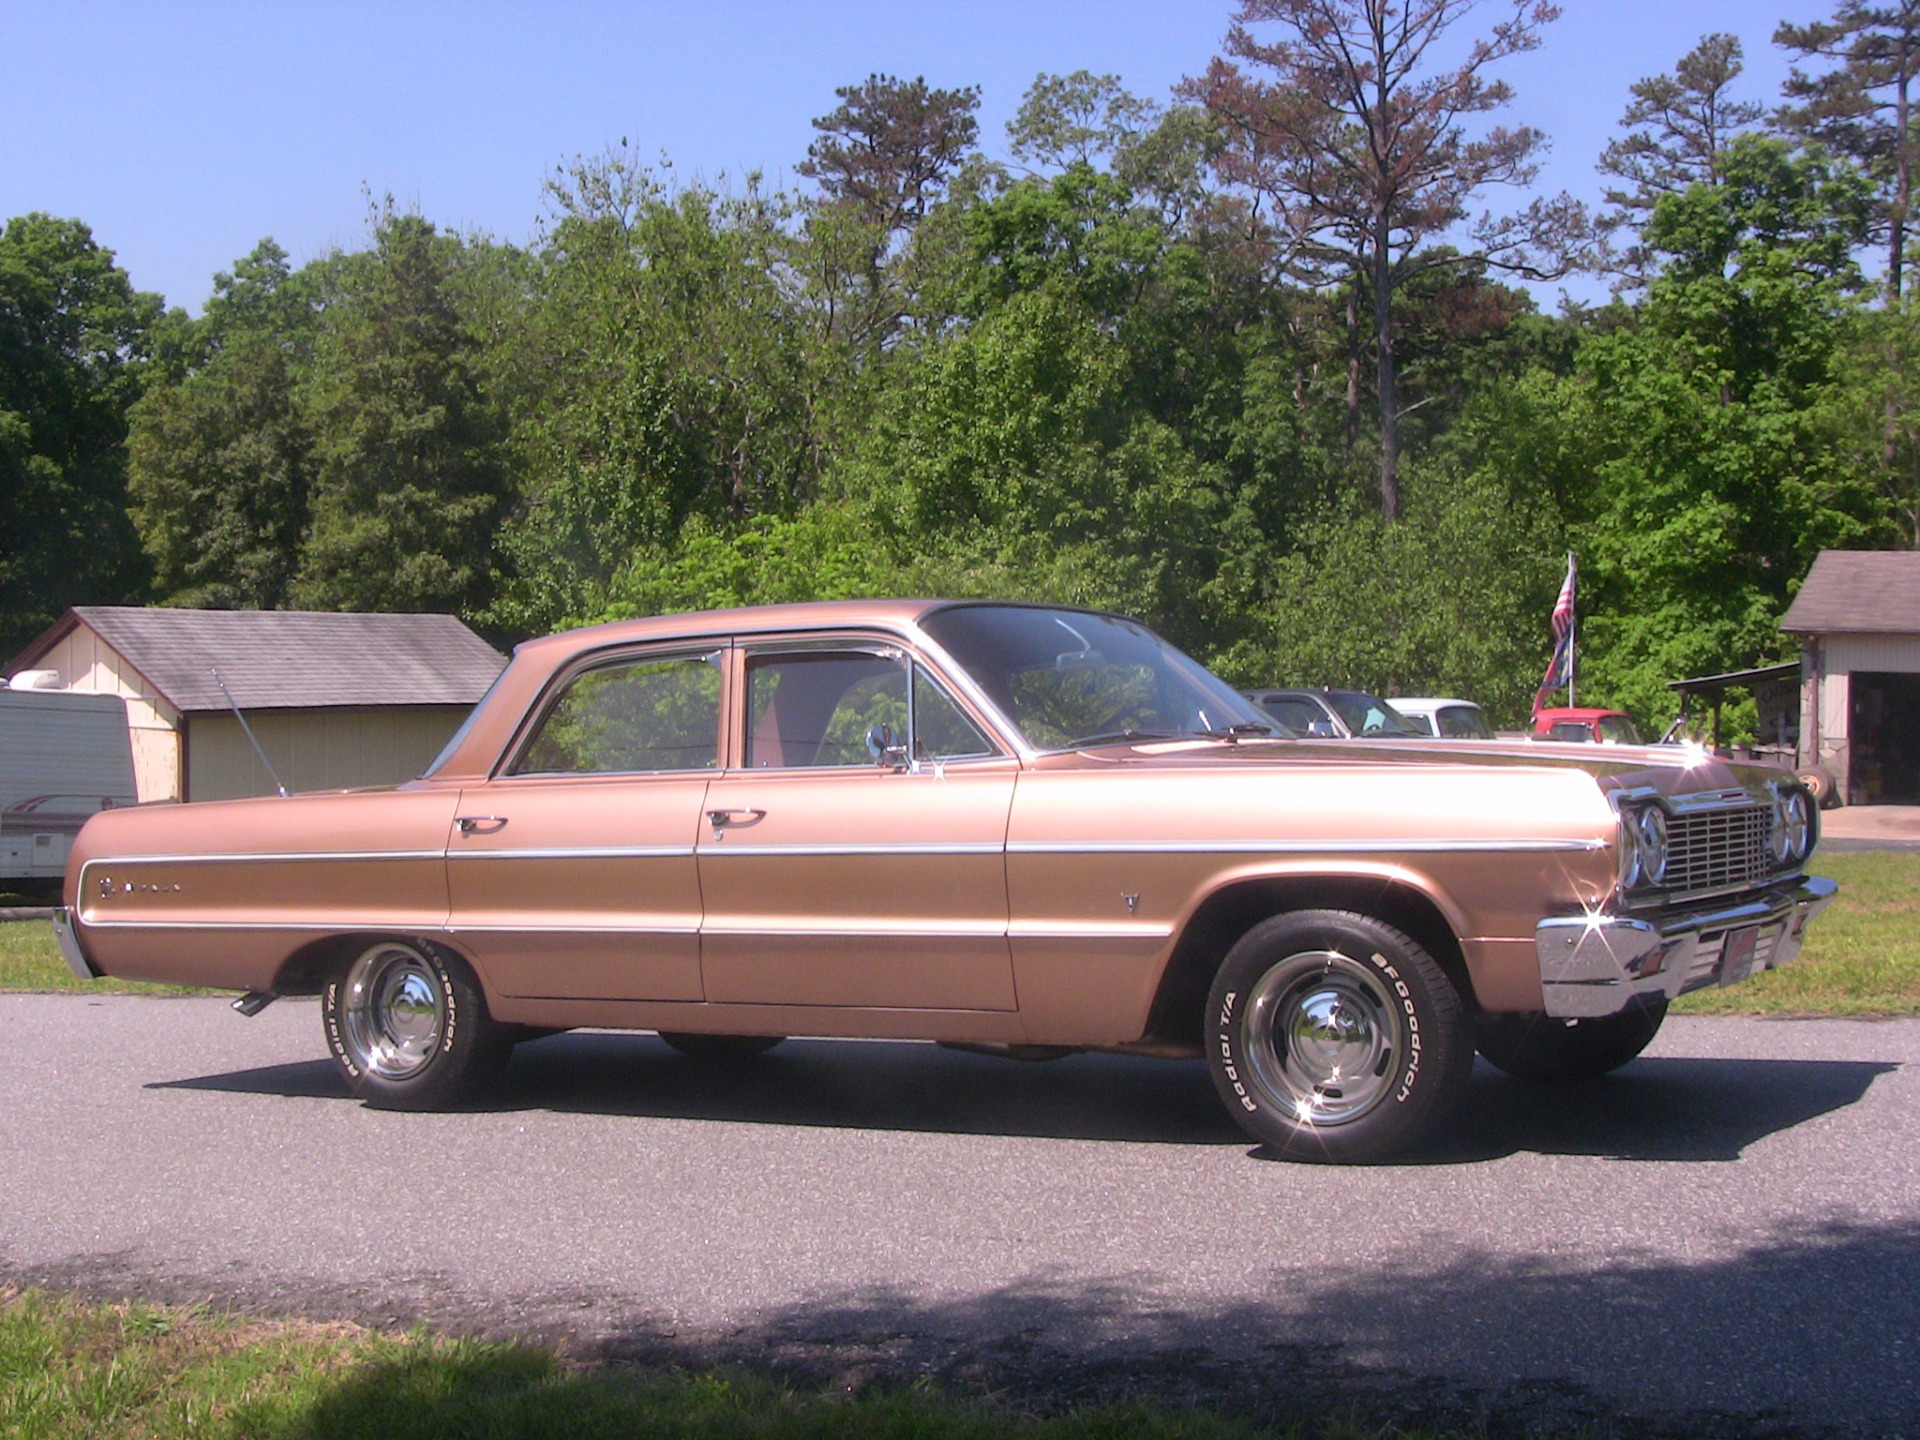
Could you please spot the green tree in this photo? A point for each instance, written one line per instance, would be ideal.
(1862, 106)
(677, 382)
(410, 479)
(220, 461)
(1691, 452)
(1345, 122)
(73, 344)
(1684, 121)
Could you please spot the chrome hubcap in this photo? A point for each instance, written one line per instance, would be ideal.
(395, 1011)
(1323, 1037)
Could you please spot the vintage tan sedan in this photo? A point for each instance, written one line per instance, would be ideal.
(1022, 828)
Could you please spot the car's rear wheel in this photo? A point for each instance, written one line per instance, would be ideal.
(1335, 1037)
(1536, 1047)
(719, 1047)
(408, 1027)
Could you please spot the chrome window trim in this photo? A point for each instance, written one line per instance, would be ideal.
(919, 654)
(711, 651)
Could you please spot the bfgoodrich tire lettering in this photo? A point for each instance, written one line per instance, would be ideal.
(1334, 1037)
(408, 1027)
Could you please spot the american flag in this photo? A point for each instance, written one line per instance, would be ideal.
(1560, 668)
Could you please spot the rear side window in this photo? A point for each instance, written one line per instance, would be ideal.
(631, 718)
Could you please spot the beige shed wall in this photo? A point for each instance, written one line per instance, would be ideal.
(85, 663)
(315, 749)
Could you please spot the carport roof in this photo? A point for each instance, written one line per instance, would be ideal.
(1858, 592)
(288, 659)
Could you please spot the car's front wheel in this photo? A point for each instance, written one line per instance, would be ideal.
(408, 1027)
(1335, 1037)
(1534, 1047)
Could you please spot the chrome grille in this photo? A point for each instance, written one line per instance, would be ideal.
(1716, 849)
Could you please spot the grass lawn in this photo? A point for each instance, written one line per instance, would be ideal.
(68, 1368)
(1863, 957)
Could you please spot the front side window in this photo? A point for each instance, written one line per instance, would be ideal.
(810, 709)
(941, 729)
(813, 709)
(628, 718)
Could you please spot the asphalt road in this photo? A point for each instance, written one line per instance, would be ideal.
(1725, 1237)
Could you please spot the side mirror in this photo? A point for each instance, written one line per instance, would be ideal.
(887, 749)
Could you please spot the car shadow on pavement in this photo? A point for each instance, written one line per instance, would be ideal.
(1657, 1108)
(1683, 1109)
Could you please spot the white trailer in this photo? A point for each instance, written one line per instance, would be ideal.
(63, 757)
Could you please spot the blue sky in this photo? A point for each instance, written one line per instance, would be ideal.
(184, 132)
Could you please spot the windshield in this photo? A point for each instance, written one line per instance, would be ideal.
(1068, 678)
(1464, 722)
(1369, 715)
(1617, 730)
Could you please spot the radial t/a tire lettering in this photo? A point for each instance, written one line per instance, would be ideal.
(1334, 1037)
(408, 1027)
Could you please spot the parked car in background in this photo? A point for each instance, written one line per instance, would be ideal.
(1449, 719)
(1019, 828)
(1334, 714)
(1586, 724)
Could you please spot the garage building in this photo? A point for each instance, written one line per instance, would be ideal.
(1857, 618)
(334, 699)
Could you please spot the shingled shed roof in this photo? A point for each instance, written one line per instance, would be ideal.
(1858, 592)
(289, 659)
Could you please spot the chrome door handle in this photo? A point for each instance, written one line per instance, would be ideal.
(720, 819)
(482, 824)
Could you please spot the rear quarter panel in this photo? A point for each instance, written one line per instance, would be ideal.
(220, 893)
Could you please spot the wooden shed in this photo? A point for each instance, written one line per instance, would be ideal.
(335, 699)
(1857, 618)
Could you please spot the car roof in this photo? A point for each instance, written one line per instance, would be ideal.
(1400, 702)
(1577, 712)
(772, 619)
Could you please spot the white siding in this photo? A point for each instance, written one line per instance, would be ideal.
(87, 664)
(1895, 654)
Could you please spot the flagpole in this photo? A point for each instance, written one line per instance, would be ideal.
(1573, 641)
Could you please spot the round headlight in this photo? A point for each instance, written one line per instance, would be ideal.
(1650, 839)
(1796, 824)
(1778, 843)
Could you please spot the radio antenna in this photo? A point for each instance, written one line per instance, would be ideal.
(252, 739)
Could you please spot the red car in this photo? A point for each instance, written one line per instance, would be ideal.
(1586, 723)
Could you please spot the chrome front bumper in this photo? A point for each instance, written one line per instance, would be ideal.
(70, 945)
(1596, 965)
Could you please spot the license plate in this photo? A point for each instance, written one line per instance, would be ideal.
(1737, 954)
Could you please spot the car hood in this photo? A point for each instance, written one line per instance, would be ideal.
(1669, 769)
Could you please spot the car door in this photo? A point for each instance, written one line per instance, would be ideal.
(833, 876)
(572, 872)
